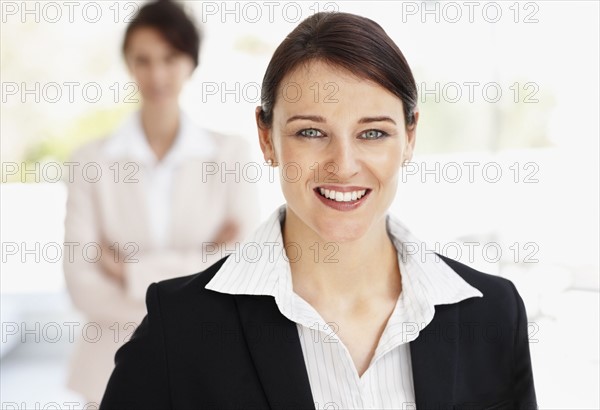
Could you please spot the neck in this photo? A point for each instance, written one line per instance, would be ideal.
(342, 274)
(160, 125)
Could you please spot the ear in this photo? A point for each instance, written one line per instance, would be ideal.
(411, 137)
(264, 137)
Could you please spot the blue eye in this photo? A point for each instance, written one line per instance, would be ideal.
(310, 133)
(374, 134)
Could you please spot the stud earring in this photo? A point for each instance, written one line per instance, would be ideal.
(270, 162)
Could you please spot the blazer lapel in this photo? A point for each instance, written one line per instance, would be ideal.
(275, 348)
(434, 355)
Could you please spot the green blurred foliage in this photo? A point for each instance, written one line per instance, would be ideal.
(62, 141)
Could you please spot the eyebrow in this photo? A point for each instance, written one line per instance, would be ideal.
(366, 120)
(318, 118)
(315, 118)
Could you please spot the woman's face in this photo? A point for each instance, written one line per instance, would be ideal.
(158, 69)
(332, 130)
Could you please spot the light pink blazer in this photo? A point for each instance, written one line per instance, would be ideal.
(113, 207)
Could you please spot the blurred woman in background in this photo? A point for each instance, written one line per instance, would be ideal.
(161, 206)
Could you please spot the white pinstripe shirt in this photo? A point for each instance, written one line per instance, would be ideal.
(260, 267)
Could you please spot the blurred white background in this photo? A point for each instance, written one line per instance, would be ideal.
(541, 132)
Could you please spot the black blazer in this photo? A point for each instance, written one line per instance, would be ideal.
(200, 349)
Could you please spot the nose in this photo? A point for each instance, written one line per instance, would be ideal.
(343, 159)
(158, 74)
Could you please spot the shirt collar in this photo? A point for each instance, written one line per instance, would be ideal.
(129, 141)
(259, 266)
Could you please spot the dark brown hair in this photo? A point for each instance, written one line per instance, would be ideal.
(171, 21)
(344, 40)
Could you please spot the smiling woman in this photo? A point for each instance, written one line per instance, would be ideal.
(354, 319)
(349, 148)
(353, 144)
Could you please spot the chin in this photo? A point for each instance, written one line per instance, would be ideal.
(341, 232)
(161, 101)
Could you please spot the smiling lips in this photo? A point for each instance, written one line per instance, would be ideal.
(342, 198)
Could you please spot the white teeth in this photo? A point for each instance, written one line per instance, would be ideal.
(342, 196)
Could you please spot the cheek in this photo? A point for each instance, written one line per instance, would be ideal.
(298, 155)
(142, 81)
(287, 153)
(292, 166)
(183, 70)
(387, 175)
(390, 165)
(142, 76)
(298, 165)
(387, 158)
(393, 177)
